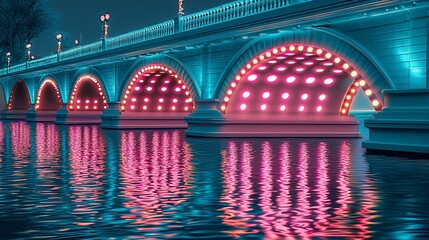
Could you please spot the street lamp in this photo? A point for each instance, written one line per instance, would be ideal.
(104, 18)
(180, 13)
(59, 36)
(76, 42)
(8, 59)
(28, 46)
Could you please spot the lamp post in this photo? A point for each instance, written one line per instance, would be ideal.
(180, 13)
(28, 46)
(8, 54)
(104, 19)
(59, 36)
(76, 42)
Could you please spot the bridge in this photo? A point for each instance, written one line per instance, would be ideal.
(250, 68)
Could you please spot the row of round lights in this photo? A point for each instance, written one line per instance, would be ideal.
(39, 94)
(309, 50)
(151, 68)
(87, 101)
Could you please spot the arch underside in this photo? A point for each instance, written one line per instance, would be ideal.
(87, 95)
(48, 97)
(156, 89)
(19, 97)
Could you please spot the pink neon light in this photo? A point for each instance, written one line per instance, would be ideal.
(252, 77)
(291, 79)
(266, 95)
(328, 81)
(272, 78)
(304, 96)
(310, 80)
(246, 94)
(285, 95)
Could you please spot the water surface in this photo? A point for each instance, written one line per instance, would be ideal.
(66, 182)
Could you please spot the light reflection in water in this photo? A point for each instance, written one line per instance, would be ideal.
(20, 139)
(47, 149)
(87, 165)
(303, 190)
(155, 171)
(1, 141)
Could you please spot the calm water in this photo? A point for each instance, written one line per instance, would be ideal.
(83, 182)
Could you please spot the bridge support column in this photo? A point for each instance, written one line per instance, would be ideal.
(205, 120)
(40, 116)
(113, 118)
(66, 117)
(403, 124)
(14, 114)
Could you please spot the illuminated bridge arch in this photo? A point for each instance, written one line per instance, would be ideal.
(2, 98)
(48, 96)
(158, 88)
(19, 98)
(300, 75)
(87, 94)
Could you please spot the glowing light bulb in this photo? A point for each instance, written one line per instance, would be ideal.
(175, 100)
(186, 108)
(375, 103)
(301, 108)
(243, 106)
(144, 107)
(353, 73)
(281, 69)
(300, 69)
(252, 77)
(304, 96)
(319, 108)
(223, 107)
(246, 94)
(310, 80)
(285, 95)
(133, 107)
(282, 108)
(328, 81)
(163, 89)
(362, 83)
(226, 99)
(290, 79)
(322, 97)
(149, 89)
(368, 92)
(262, 68)
(263, 107)
(95, 101)
(146, 100)
(272, 78)
(133, 99)
(161, 100)
(159, 108)
(178, 89)
(266, 95)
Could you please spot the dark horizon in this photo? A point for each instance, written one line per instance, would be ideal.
(126, 16)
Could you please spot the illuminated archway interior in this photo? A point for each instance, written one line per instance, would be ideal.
(156, 88)
(296, 79)
(48, 97)
(87, 95)
(19, 97)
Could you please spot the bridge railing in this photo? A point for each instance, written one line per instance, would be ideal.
(232, 11)
(223, 13)
(81, 51)
(152, 32)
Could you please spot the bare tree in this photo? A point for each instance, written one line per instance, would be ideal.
(20, 22)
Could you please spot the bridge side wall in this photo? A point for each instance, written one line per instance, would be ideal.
(399, 42)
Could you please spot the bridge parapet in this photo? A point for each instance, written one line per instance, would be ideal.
(232, 11)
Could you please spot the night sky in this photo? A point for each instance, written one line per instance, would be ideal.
(81, 17)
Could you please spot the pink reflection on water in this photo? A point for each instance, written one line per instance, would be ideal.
(155, 173)
(1, 141)
(20, 141)
(87, 160)
(238, 190)
(304, 190)
(47, 149)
